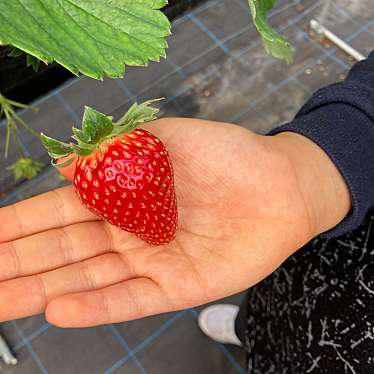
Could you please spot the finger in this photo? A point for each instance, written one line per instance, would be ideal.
(51, 210)
(67, 171)
(28, 296)
(132, 299)
(53, 249)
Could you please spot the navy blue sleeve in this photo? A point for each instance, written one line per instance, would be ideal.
(340, 119)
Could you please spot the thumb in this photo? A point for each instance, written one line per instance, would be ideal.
(67, 171)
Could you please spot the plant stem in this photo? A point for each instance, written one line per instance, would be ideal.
(12, 118)
(17, 141)
(25, 125)
(20, 105)
(7, 141)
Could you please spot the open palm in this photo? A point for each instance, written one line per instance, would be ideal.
(241, 213)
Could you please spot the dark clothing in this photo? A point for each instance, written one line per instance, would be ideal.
(315, 314)
(340, 119)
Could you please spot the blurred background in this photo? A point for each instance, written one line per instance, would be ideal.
(215, 69)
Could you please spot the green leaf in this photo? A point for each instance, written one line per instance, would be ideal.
(274, 43)
(25, 168)
(15, 52)
(32, 61)
(55, 148)
(80, 136)
(96, 125)
(60, 165)
(138, 113)
(81, 150)
(96, 37)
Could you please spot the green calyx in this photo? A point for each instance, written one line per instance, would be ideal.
(97, 128)
(25, 168)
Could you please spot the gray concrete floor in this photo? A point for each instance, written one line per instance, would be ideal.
(216, 69)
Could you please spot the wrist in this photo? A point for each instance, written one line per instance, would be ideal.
(326, 194)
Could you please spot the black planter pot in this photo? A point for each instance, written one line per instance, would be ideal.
(23, 84)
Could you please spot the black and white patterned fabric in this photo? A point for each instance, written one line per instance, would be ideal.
(315, 314)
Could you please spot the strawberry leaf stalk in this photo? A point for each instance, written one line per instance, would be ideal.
(123, 174)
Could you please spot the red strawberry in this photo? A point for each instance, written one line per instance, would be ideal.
(123, 174)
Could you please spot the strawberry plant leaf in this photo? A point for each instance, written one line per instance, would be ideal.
(32, 61)
(274, 43)
(97, 37)
(15, 52)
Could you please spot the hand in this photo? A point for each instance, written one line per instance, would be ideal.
(246, 203)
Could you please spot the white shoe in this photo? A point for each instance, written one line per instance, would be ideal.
(218, 322)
